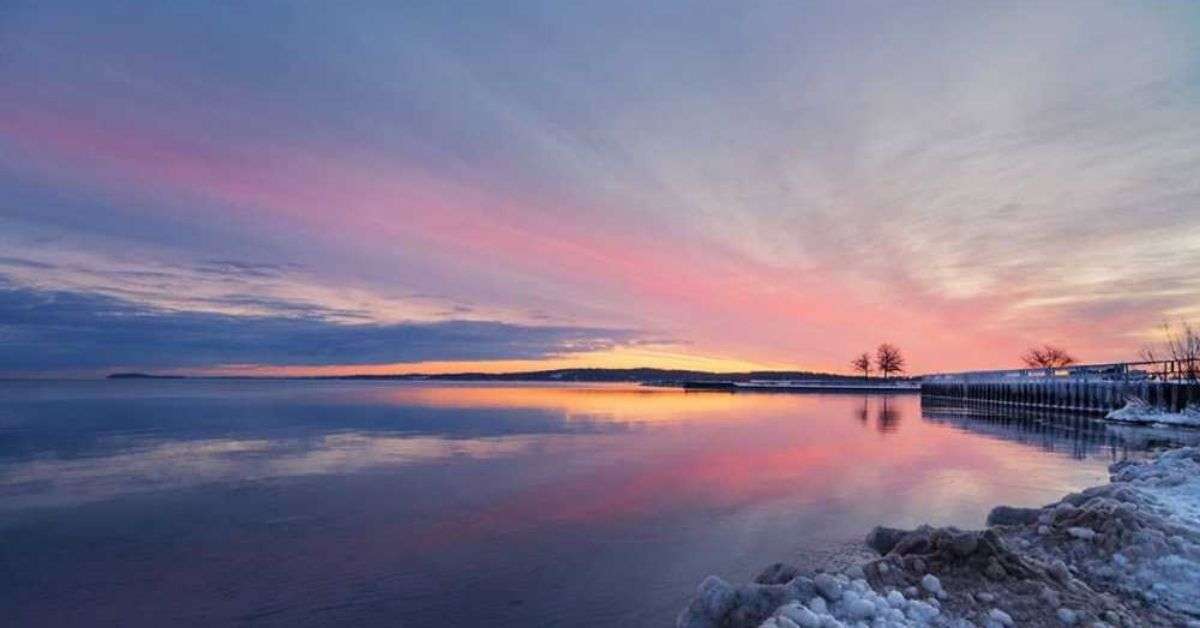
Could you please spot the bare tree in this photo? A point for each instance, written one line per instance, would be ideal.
(1047, 357)
(862, 364)
(1180, 344)
(888, 360)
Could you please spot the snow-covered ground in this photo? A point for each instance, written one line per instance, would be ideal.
(1123, 554)
(1138, 411)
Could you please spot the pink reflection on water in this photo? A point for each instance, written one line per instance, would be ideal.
(725, 452)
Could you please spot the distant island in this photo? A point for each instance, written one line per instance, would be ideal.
(634, 375)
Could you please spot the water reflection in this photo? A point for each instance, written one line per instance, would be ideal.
(368, 503)
(885, 409)
(1051, 430)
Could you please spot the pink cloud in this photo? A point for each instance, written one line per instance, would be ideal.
(699, 291)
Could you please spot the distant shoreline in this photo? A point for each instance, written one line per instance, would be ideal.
(652, 376)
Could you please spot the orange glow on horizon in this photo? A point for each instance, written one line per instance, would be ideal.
(617, 358)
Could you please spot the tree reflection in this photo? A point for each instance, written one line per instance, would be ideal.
(887, 414)
(888, 419)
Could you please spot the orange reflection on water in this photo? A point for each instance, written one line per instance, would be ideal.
(616, 402)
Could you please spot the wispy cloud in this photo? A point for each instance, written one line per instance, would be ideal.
(774, 181)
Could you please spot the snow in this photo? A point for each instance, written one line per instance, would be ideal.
(1166, 560)
(1138, 411)
(1126, 553)
(840, 601)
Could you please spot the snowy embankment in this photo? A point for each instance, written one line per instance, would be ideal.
(1138, 411)
(1123, 554)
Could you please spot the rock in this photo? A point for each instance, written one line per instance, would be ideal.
(777, 573)
(717, 597)
(963, 544)
(1064, 510)
(994, 570)
(1000, 617)
(818, 605)
(882, 539)
(1059, 571)
(915, 542)
(756, 602)
(1067, 616)
(1011, 516)
(985, 598)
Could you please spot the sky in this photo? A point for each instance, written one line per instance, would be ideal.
(307, 187)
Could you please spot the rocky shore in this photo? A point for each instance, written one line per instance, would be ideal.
(1123, 554)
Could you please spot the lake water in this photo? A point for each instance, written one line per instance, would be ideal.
(297, 503)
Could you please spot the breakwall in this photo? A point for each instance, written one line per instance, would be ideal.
(1070, 394)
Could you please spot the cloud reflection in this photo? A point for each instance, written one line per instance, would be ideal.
(173, 466)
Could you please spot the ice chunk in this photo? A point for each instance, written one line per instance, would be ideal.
(801, 615)
(860, 608)
(931, 584)
(1138, 411)
(828, 586)
(919, 611)
(1086, 534)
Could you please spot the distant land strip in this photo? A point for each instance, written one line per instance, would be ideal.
(639, 375)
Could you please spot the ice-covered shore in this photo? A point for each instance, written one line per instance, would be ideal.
(1123, 554)
(1138, 411)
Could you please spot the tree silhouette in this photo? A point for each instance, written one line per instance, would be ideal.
(888, 359)
(1181, 344)
(1047, 357)
(862, 364)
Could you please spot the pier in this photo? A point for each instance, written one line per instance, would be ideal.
(1169, 386)
(813, 386)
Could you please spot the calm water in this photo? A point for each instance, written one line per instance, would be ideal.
(364, 503)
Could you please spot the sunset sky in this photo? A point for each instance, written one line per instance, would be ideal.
(298, 187)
